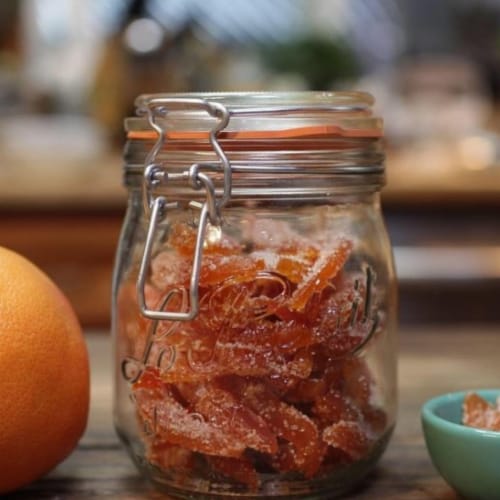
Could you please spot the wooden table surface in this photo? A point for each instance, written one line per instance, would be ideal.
(432, 360)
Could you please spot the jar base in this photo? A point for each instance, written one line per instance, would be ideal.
(329, 485)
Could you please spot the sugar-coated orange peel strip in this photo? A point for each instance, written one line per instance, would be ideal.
(324, 269)
(479, 413)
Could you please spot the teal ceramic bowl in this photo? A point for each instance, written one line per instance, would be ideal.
(467, 458)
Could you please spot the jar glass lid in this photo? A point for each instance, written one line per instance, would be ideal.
(256, 116)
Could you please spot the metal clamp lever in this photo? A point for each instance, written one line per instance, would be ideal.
(159, 205)
(155, 176)
(159, 107)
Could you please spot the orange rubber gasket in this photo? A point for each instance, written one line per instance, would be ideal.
(317, 131)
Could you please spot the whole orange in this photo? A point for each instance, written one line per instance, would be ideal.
(44, 374)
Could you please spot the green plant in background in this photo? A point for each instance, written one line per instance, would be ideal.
(320, 61)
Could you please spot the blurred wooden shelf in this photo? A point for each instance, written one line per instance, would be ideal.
(76, 249)
(97, 185)
(66, 218)
(415, 184)
(68, 221)
(94, 185)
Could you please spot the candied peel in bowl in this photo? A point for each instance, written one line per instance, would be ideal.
(479, 413)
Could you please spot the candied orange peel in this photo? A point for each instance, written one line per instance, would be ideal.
(265, 378)
(479, 413)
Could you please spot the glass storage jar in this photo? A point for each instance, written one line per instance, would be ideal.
(254, 295)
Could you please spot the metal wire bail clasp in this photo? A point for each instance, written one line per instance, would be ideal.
(157, 206)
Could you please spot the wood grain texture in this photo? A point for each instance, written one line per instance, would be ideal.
(432, 361)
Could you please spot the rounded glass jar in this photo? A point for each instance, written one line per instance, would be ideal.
(254, 295)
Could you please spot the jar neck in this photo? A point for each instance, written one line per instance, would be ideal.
(293, 171)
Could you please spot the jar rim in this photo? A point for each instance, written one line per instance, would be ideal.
(247, 98)
(255, 115)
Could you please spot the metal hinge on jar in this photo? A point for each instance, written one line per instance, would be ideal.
(198, 179)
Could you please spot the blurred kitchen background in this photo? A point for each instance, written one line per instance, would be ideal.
(70, 69)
